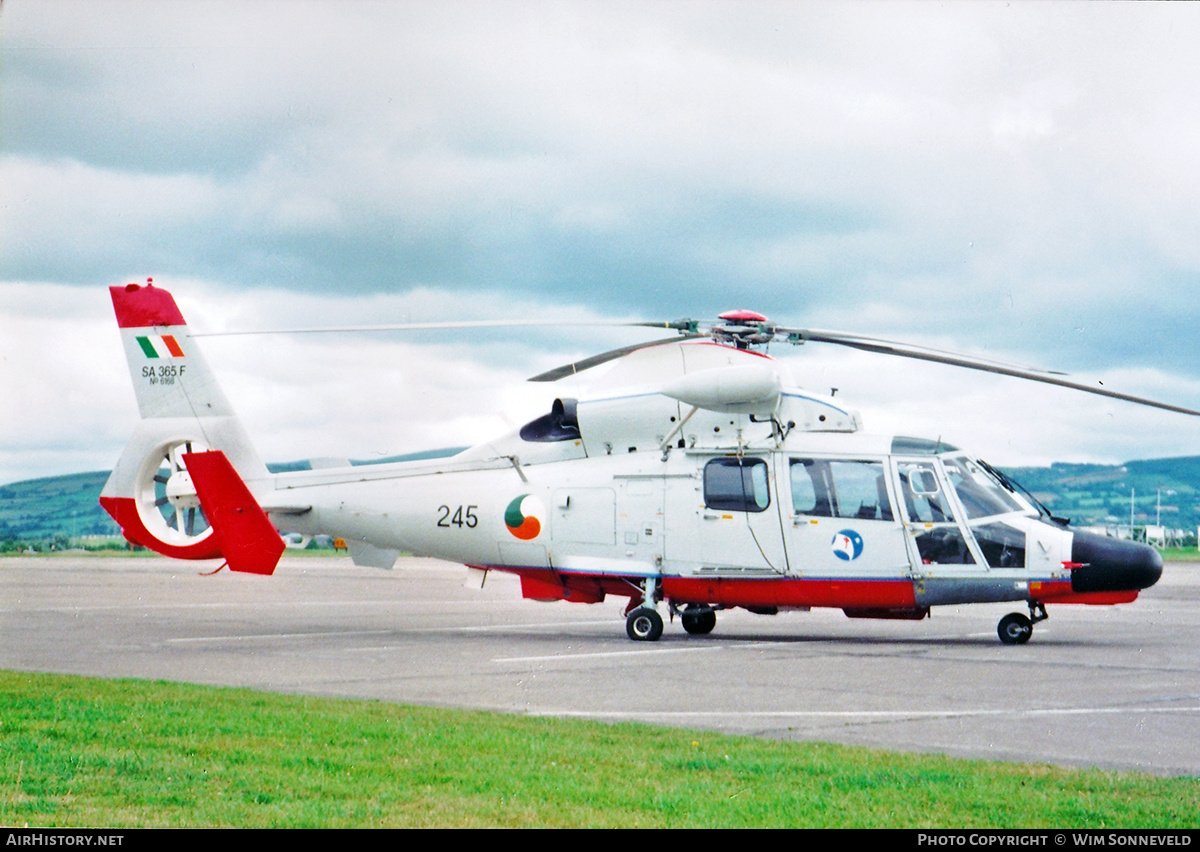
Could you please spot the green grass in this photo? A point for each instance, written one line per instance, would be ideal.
(88, 752)
(1184, 554)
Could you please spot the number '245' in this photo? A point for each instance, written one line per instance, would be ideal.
(463, 516)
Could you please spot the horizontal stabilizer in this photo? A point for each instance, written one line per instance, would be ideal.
(247, 539)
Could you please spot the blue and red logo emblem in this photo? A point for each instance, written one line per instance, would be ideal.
(847, 545)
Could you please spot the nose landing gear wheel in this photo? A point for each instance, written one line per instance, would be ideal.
(644, 625)
(1015, 629)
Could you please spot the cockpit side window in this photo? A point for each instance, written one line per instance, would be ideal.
(923, 498)
(980, 495)
(1003, 545)
(736, 484)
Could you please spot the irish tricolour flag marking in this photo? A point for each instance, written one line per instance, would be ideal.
(160, 346)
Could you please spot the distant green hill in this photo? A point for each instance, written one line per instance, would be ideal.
(1166, 489)
(61, 508)
(44, 509)
(67, 507)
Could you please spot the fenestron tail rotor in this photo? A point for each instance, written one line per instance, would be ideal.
(166, 497)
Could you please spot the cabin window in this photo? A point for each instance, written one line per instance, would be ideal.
(738, 485)
(840, 488)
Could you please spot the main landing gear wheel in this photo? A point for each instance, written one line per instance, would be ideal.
(644, 625)
(1015, 629)
(698, 620)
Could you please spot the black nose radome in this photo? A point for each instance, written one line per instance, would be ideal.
(1113, 565)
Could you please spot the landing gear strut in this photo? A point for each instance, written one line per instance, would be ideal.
(644, 624)
(1015, 628)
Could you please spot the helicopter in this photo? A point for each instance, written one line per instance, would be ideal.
(695, 476)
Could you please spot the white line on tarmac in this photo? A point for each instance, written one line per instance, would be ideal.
(633, 651)
(242, 637)
(249, 604)
(862, 714)
(600, 654)
(387, 631)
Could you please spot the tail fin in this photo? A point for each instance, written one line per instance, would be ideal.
(150, 493)
(245, 535)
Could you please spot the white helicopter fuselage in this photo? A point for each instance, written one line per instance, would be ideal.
(587, 524)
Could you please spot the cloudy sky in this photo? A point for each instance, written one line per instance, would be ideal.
(1018, 181)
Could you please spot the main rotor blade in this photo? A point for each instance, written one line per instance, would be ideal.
(428, 326)
(682, 325)
(800, 335)
(604, 357)
(967, 362)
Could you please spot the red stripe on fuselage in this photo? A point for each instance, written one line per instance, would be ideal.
(849, 594)
(790, 592)
(856, 594)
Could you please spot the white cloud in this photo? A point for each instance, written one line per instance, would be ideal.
(990, 177)
(64, 408)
